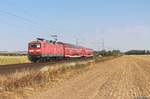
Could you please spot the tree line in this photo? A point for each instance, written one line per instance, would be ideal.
(137, 52)
(108, 53)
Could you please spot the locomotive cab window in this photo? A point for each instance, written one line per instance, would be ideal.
(34, 45)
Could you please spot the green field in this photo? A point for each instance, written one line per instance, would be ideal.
(4, 60)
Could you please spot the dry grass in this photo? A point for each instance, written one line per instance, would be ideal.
(13, 60)
(22, 84)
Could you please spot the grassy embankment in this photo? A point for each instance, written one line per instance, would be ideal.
(4, 60)
(24, 83)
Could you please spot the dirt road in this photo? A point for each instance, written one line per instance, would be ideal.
(127, 77)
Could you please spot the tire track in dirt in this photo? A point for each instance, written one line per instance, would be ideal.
(144, 77)
(128, 83)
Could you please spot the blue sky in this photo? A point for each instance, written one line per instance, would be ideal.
(123, 24)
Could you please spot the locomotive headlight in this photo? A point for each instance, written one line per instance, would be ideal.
(38, 50)
(31, 50)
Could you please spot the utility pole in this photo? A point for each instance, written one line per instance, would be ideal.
(103, 47)
(103, 44)
(77, 41)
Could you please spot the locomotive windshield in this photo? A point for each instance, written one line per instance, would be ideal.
(34, 46)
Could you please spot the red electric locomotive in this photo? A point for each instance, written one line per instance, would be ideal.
(43, 50)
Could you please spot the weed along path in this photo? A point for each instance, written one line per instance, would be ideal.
(127, 77)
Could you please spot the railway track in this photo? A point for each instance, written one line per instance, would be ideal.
(6, 69)
(13, 67)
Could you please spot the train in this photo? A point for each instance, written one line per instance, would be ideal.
(41, 50)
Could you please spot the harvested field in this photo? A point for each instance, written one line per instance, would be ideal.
(18, 85)
(4, 60)
(127, 77)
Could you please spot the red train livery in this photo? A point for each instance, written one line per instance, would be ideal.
(43, 50)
